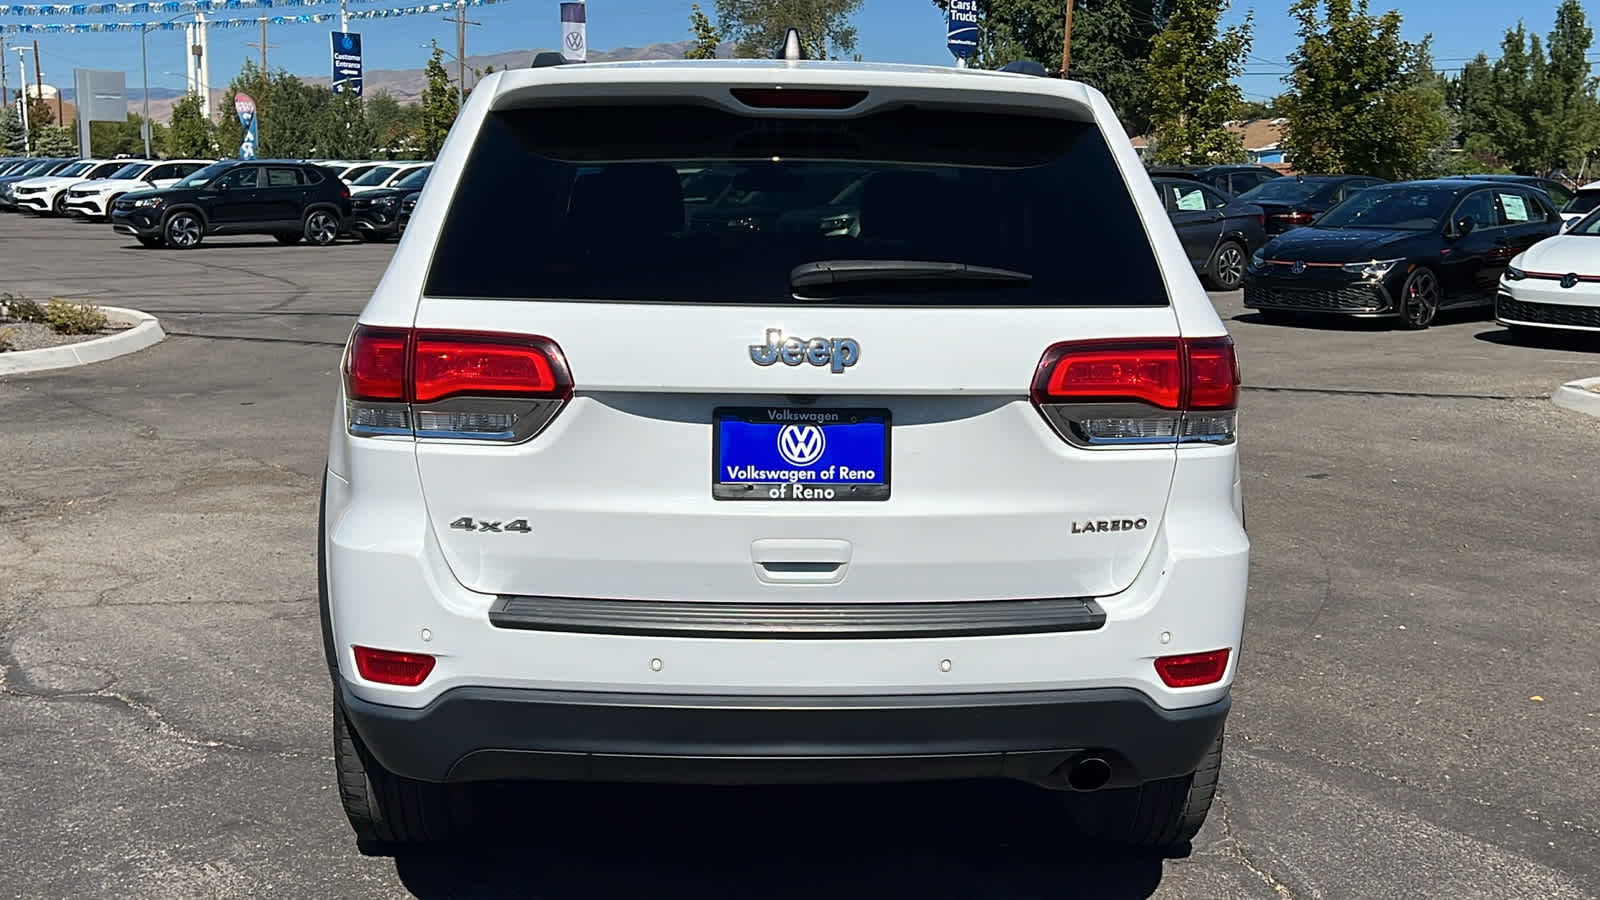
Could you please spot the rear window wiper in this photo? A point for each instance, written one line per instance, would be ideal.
(854, 277)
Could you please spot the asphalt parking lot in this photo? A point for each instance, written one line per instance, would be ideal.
(1416, 713)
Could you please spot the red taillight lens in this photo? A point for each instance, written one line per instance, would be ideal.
(375, 368)
(1139, 391)
(1294, 218)
(392, 666)
(1213, 380)
(1107, 371)
(449, 364)
(797, 98)
(1192, 669)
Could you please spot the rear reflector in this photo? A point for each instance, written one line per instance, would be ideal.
(1192, 669)
(392, 666)
(465, 385)
(1139, 391)
(797, 98)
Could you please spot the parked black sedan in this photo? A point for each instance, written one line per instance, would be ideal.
(1292, 201)
(1229, 178)
(1403, 250)
(1218, 232)
(375, 215)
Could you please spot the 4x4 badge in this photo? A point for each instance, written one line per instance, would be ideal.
(837, 354)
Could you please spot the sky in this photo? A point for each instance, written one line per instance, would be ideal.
(890, 31)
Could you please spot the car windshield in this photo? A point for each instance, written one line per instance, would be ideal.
(1588, 226)
(77, 168)
(1583, 202)
(1405, 208)
(688, 204)
(1283, 190)
(131, 170)
(415, 179)
(201, 176)
(39, 168)
(376, 176)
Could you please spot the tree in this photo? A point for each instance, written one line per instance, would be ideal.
(1361, 99)
(344, 132)
(706, 35)
(1110, 41)
(107, 139)
(191, 134)
(394, 127)
(1565, 111)
(55, 140)
(1189, 82)
(438, 106)
(11, 133)
(757, 27)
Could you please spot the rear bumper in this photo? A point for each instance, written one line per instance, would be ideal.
(482, 733)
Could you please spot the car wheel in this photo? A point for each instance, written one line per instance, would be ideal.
(1160, 815)
(1225, 271)
(152, 242)
(384, 807)
(287, 238)
(322, 227)
(1419, 299)
(59, 206)
(183, 231)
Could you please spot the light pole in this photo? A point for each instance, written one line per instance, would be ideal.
(27, 133)
(144, 76)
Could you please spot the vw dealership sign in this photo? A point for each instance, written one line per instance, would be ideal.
(346, 62)
(961, 28)
(574, 37)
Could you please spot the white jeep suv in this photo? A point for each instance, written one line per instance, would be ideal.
(631, 483)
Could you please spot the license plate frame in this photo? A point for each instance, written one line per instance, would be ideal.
(819, 489)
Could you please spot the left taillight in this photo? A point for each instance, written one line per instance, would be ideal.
(1140, 392)
(453, 385)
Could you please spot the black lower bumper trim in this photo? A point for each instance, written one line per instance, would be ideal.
(791, 621)
(490, 734)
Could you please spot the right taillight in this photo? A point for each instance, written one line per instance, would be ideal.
(454, 385)
(1140, 392)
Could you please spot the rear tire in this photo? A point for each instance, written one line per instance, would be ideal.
(1160, 815)
(385, 808)
(1225, 270)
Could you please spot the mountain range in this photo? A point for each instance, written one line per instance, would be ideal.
(405, 85)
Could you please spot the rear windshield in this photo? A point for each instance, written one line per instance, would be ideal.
(1582, 202)
(682, 204)
(1283, 190)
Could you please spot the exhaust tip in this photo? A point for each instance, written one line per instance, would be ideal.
(1090, 773)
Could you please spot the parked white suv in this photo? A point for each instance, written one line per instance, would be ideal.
(627, 487)
(47, 195)
(93, 199)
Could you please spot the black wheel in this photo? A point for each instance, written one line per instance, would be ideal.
(321, 227)
(385, 808)
(58, 207)
(1419, 299)
(287, 238)
(1225, 271)
(152, 242)
(183, 230)
(1160, 815)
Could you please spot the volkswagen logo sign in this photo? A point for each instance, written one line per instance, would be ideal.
(1298, 267)
(1569, 280)
(801, 445)
(574, 41)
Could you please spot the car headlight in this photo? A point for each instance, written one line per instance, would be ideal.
(1515, 274)
(385, 202)
(1375, 268)
(148, 203)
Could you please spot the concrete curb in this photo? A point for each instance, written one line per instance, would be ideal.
(1582, 395)
(145, 332)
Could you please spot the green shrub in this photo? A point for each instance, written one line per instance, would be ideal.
(66, 317)
(20, 309)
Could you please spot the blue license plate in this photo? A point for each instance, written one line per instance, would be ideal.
(790, 453)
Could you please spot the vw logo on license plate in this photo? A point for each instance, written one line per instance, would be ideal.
(801, 445)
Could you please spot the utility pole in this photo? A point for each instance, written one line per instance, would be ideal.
(263, 45)
(461, 22)
(27, 133)
(38, 74)
(344, 16)
(5, 93)
(1066, 42)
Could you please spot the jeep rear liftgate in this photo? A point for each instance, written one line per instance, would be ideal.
(757, 363)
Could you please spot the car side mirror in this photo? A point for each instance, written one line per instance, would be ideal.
(1464, 226)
